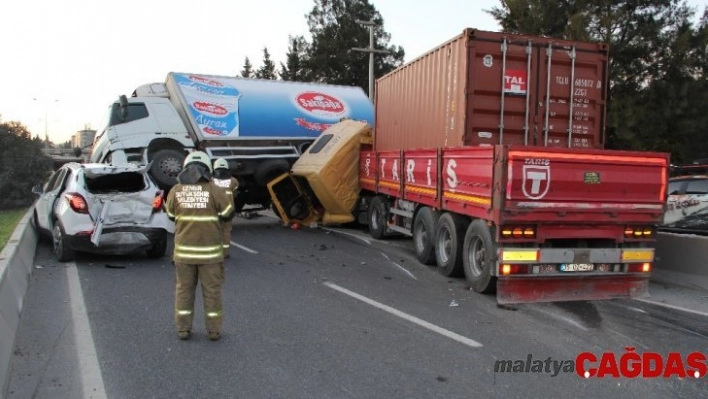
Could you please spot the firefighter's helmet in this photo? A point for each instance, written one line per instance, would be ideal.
(200, 157)
(221, 163)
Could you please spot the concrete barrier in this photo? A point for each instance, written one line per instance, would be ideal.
(16, 263)
(682, 260)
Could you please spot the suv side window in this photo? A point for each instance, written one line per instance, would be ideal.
(60, 179)
(52, 181)
(697, 186)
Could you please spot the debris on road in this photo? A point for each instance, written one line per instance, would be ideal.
(114, 266)
(454, 304)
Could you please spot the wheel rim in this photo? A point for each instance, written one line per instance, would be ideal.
(375, 218)
(445, 245)
(170, 166)
(57, 239)
(477, 256)
(421, 236)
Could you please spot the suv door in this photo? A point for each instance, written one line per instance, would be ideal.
(46, 201)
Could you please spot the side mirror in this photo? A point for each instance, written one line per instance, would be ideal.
(37, 190)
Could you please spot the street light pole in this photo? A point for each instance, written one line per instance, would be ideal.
(46, 122)
(371, 50)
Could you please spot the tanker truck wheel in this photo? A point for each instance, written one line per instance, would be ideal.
(449, 233)
(424, 235)
(166, 165)
(479, 257)
(378, 216)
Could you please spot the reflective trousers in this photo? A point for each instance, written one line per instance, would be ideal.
(212, 278)
(226, 236)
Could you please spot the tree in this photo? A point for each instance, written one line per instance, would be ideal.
(247, 71)
(296, 60)
(335, 32)
(654, 68)
(77, 151)
(267, 71)
(22, 165)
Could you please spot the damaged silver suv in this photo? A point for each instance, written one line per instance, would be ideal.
(102, 208)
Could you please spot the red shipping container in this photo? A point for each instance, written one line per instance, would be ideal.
(487, 88)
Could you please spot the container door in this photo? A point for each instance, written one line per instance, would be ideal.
(535, 91)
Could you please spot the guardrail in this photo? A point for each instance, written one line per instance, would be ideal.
(16, 262)
(681, 259)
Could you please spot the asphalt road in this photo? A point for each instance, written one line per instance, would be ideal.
(318, 313)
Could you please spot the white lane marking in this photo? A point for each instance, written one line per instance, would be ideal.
(406, 316)
(89, 368)
(253, 251)
(666, 305)
(399, 266)
(347, 234)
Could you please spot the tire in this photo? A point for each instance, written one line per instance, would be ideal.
(166, 166)
(424, 235)
(62, 250)
(269, 170)
(449, 232)
(479, 257)
(378, 216)
(158, 249)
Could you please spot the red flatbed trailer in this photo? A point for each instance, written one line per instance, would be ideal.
(549, 224)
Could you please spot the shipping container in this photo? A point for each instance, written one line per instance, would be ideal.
(487, 88)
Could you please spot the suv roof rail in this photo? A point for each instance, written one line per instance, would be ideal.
(691, 169)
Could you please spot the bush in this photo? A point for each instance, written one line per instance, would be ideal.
(22, 165)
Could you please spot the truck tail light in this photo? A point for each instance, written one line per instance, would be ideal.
(508, 270)
(157, 202)
(77, 202)
(639, 267)
(638, 231)
(518, 232)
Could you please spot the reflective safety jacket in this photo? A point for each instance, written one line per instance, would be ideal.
(198, 210)
(230, 185)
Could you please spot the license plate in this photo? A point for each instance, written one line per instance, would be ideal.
(577, 267)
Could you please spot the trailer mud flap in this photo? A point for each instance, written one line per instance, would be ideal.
(577, 288)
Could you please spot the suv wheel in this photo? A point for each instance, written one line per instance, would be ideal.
(62, 249)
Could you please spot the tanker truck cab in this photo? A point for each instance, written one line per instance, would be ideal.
(142, 129)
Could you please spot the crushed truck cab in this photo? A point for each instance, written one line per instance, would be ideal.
(323, 184)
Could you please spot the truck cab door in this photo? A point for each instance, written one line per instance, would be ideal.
(291, 201)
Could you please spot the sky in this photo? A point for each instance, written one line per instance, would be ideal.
(64, 62)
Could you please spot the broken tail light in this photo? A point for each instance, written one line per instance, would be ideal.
(77, 202)
(157, 202)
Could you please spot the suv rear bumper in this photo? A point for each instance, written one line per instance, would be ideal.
(120, 240)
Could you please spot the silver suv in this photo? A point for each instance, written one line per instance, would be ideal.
(102, 208)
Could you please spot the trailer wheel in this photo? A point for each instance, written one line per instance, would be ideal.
(166, 166)
(424, 235)
(378, 216)
(449, 232)
(479, 258)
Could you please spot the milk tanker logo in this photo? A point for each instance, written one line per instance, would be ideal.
(215, 104)
(320, 104)
(211, 109)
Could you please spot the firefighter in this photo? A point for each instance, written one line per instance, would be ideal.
(198, 207)
(223, 179)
